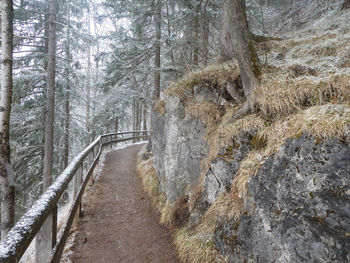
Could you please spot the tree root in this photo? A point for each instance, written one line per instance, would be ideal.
(241, 112)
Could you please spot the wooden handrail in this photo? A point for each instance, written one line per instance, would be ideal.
(15, 243)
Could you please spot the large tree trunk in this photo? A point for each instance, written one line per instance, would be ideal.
(50, 98)
(158, 18)
(238, 43)
(346, 4)
(6, 173)
(44, 239)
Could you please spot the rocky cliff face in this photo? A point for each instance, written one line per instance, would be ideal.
(273, 186)
(299, 207)
(179, 147)
(271, 191)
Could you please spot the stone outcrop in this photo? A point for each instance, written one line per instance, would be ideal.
(300, 207)
(179, 147)
(296, 208)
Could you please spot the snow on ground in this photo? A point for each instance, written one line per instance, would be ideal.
(317, 51)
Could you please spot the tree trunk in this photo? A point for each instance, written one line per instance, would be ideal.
(169, 34)
(6, 173)
(88, 86)
(44, 239)
(138, 115)
(206, 29)
(134, 117)
(238, 43)
(67, 96)
(144, 115)
(116, 124)
(158, 18)
(50, 98)
(346, 4)
(46, 51)
(196, 39)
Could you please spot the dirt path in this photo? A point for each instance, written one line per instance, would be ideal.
(118, 223)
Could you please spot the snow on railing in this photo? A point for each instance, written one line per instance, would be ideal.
(15, 243)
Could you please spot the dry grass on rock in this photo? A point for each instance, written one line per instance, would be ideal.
(278, 98)
(208, 112)
(322, 122)
(196, 247)
(215, 76)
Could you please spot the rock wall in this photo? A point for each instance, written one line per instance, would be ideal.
(179, 148)
(300, 209)
(259, 189)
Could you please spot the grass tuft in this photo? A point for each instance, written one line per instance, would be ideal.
(208, 112)
(196, 247)
(151, 184)
(276, 98)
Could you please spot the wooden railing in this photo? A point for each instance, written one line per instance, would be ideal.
(13, 246)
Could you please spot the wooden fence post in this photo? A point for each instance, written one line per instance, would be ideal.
(54, 226)
(46, 238)
(78, 177)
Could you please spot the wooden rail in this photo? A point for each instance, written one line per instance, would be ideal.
(13, 246)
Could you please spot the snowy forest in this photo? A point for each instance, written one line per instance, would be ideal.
(76, 69)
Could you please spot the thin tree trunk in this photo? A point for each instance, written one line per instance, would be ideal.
(196, 36)
(96, 79)
(66, 127)
(67, 96)
(140, 114)
(134, 117)
(44, 240)
(46, 50)
(144, 115)
(169, 34)
(196, 40)
(88, 86)
(6, 173)
(239, 44)
(138, 123)
(116, 124)
(206, 28)
(158, 18)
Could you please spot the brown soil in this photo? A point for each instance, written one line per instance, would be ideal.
(118, 223)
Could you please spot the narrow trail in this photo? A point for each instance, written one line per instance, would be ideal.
(118, 223)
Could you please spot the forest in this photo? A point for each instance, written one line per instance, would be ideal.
(76, 69)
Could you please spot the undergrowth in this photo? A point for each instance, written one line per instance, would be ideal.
(196, 247)
(150, 184)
